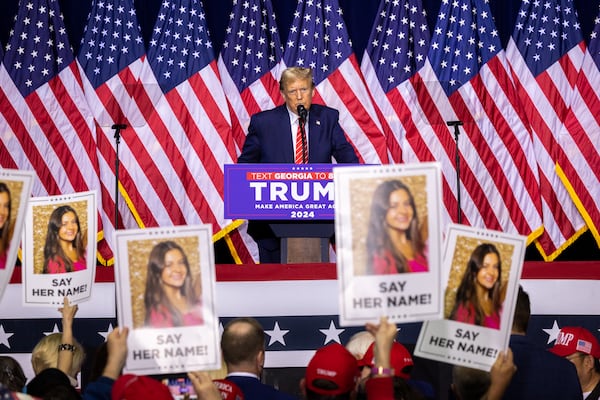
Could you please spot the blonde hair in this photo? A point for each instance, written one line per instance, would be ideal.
(359, 343)
(45, 354)
(295, 74)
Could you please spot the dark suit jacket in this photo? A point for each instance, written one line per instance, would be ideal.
(541, 374)
(269, 138)
(254, 389)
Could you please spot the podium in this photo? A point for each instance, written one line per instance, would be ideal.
(289, 202)
(304, 242)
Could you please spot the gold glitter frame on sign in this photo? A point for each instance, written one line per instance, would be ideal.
(138, 252)
(361, 197)
(462, 252)
(41, 218)
(15, 188)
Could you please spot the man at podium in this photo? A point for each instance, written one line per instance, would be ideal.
(295, 132)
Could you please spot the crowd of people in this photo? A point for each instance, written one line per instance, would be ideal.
(371, 365)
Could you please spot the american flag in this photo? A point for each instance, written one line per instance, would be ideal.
(50, 128)
(545, 53)
(8, 144)
(189, 130)
(466, 79)
(297, 306)
(318, 39)
(581, 138)
(109, 59)
(180, 133)
(249, 64)
(396, 50)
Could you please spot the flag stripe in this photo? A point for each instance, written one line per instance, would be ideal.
(469, 177)
(34, 158)
(420, 146)
(543, 136)
(153, 170)
(105, 139)
(476, 205)
(434, 134)
(545, 81)
(488, 156)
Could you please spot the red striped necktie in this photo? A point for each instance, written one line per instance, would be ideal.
(300, 143)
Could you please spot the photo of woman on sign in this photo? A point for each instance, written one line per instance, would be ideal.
(395, 240)
(479, 297)
(4, 223)
(170, 298)
(64, 250)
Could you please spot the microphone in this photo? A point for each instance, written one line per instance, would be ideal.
(119, 126)
(302, 112)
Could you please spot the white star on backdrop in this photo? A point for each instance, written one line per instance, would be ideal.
(105, 333)
(54, 330)
(277, 334)
(4, 336)
(552, 332)
(332, 334)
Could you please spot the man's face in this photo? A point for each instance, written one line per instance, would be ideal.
(582, 364)
(296, 92)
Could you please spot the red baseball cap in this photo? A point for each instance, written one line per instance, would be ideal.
(335, 364)
(228, 389)
(572, 339)
(400, 360)
(132, 387)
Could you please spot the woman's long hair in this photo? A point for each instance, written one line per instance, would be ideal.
(155, 297)
(5, 230)
(467, 293)
(378, 240)
(52, 248)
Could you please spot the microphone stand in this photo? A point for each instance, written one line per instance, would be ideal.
(117, 128)
(456, 124)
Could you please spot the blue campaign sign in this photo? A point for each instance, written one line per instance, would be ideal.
(279, 191)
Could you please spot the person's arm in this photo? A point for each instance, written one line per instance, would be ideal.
(203, 386)
(66, 347)
(116, 345)
(381, 386)
(500, 375)
(385, 333)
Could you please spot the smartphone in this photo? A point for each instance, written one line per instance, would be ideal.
(180, 388)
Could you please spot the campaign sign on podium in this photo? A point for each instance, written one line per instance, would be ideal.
(298, 192)
(293, 201)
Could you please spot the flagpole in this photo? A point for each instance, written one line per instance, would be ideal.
(456, 124)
